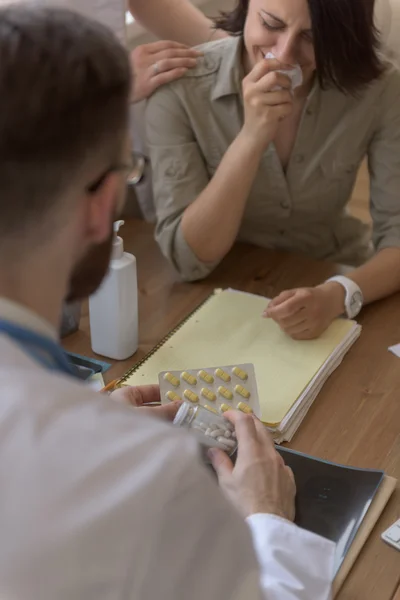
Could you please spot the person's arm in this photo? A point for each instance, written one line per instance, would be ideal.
(176, 20)
(294, 564)
(305, 566)
(380, 276)
(306, 313)
(272, 535)
(198, 219)
(211, 223)
(278, 561)
(179, 174)
(215, 555)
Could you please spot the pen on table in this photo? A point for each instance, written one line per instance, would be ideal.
(110, 386)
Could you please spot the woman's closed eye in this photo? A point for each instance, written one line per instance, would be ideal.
(270, 26)
(308, 36)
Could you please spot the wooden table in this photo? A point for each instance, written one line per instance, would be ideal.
(356, 419)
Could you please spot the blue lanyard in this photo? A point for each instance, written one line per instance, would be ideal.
(39, 347)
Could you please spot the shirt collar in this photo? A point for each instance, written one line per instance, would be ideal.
(24, 317)
(230, 75)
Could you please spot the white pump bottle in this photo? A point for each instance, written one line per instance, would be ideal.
(113, 309)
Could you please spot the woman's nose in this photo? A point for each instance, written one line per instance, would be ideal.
(285, 50)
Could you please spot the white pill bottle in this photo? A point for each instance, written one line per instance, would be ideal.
(211, 429)
(113, 309)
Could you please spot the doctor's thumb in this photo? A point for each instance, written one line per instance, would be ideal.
(221, 462)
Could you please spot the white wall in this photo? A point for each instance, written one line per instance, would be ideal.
(387, 18)
(136, 34)
(394, 32)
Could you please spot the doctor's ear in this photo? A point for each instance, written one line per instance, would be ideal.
(104, 200)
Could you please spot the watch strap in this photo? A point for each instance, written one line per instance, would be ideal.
(350, 288)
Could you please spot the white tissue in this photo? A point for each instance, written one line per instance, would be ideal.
(295, 74)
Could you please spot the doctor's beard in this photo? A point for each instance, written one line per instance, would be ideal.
(91, 270)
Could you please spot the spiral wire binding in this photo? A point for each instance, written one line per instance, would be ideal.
(164, 340)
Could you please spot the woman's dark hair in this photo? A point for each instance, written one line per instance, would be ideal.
(346, 42)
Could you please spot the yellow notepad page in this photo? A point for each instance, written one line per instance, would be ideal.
(229, 329)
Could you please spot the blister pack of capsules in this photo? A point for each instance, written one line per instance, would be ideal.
(218, 389)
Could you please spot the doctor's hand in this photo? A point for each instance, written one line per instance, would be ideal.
(159, 63)
(143, 395)
(305, 313)
(260, 482)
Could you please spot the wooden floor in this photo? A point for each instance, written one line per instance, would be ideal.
(359, 202)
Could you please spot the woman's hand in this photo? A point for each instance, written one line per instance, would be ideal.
(305, 313)
(265, 106)
(143, 395)
(156, 64)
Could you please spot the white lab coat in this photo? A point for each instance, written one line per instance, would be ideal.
(98, 501)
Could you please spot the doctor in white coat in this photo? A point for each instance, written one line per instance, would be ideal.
(99, 499)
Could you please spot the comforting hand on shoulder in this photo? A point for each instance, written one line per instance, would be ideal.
(305, 313)
(156, 64)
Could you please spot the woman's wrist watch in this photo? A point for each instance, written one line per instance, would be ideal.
(354, 299)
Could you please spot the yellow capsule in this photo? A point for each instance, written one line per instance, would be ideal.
(244, 407)
(173, 396)
(239, 389)
(206, 393)
(225, 392)
(210, 408)
(240, 373)
(191, 396)
(224, 407)
(222, 375)
(206, 377)
(172, 379)
(190, 379)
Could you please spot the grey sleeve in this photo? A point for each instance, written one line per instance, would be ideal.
(179, 176)
(384, 167)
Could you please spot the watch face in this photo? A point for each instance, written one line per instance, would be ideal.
(356, 303)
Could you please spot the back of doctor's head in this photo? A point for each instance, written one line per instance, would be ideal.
(64, 89)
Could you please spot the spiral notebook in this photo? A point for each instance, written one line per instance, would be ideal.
(228, 328)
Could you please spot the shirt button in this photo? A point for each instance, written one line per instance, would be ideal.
(171, 171)
(309, 112)
(209, 63)
(282, 232)
(298, 159)
(285, 204)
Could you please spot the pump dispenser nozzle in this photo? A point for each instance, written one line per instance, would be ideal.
(117, 225)
(118, 244)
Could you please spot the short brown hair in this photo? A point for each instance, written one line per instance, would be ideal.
(346, 41)
(64, 88)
